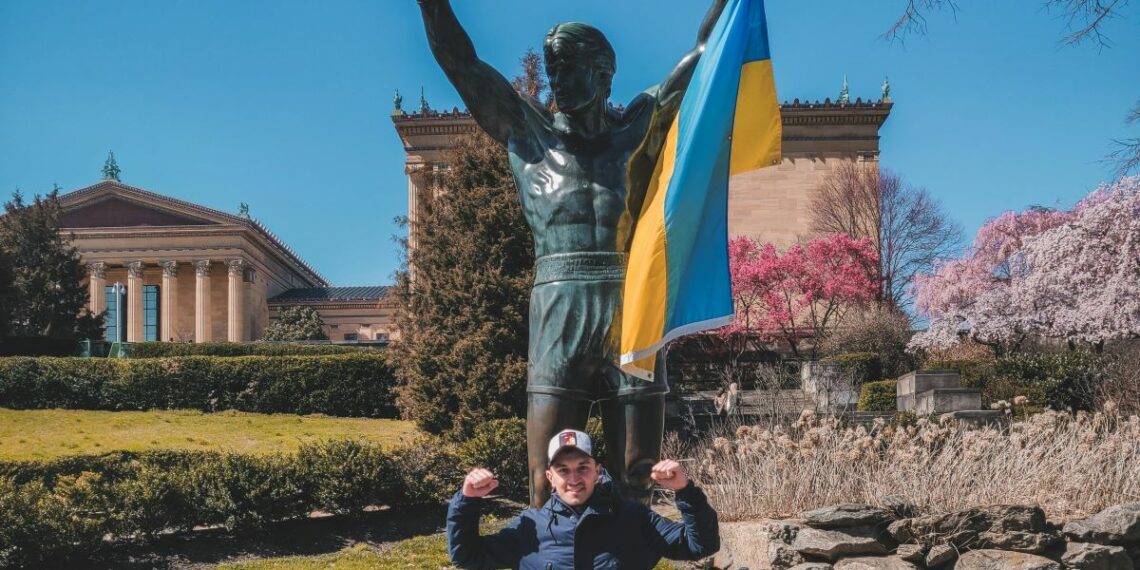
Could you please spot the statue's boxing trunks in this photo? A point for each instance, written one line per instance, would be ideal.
(575, 327)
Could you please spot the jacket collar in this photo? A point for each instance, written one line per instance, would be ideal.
(601, 501)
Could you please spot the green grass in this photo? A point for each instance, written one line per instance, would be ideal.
(419, 553)
(47, 434)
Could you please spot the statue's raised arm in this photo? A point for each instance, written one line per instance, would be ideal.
(494, 104)
(673, 88)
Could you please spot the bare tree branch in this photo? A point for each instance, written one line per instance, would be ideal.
(1125, 155)
(913, 19)
(1084, 18)
(908, 226)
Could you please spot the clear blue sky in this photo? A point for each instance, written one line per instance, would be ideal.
(285, 104)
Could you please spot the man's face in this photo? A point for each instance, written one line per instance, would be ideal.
(573, 475)
(571, 77)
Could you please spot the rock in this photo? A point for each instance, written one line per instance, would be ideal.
(1031, 542)
(812, 566)
(847, 516)
(874, 563)
(781, 555)
(911, 552)
(1002, 560)
(833, 544)
(939, 555)
(722, 561)
(1114, 525)
(902, 507)
(961, 528)
(1084, 556)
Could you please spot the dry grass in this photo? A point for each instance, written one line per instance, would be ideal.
(47, 434)
(1071, 467)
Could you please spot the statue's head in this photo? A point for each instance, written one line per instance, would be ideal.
(580, 64)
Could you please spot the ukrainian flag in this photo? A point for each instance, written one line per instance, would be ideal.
(677, 282)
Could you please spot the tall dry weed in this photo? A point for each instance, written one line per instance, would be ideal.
(1071, 466)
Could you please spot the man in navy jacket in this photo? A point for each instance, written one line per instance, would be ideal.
(584, 524)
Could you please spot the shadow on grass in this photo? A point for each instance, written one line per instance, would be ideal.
(314, 536)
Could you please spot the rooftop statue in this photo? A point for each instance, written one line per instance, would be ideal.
(582, 173)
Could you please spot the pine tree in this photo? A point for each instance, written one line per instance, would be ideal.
(462, 347)
(296, 323)
(49, 298)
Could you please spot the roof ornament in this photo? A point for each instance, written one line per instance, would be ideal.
(424, 107)
(886, 89)
(844, 94)
(111, 168)
(398, 103)
(243, 211)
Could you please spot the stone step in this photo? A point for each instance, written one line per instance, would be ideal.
(940, 401)
(911, 384)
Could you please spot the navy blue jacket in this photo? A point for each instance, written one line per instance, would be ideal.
(610, 533)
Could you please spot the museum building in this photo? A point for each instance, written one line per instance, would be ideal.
(168, 270)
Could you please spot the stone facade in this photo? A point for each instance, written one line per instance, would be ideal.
(771, 204)
(214, 272)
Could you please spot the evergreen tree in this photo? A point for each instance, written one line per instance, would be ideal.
(49, 298)
(462, 349)
(296, 323)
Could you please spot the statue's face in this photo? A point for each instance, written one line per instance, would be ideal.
(572, 77)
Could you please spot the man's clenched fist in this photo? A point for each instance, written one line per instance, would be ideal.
(670, 475)
(479, 483)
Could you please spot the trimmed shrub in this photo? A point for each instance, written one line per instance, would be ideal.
(55, 511)
(1062, 380)
(499, 445)
(170, 349)
(349, 385)
(861, 366)
(878, 396)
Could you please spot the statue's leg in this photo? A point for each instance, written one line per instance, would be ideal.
(634, 427)
(546, 415)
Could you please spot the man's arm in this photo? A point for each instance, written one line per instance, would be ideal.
(488, 95)
(464, 544)
(670, 91)
(698, 535)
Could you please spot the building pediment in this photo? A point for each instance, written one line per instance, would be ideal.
(112, 204)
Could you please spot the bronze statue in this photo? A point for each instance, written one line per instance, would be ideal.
(582, 173)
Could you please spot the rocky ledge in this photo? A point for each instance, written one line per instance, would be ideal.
(1002, 537)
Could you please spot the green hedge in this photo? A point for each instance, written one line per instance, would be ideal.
(352, 385)
(1062, 380)
(169, 349)
(56, 511)
(878, 396)
(863, 366)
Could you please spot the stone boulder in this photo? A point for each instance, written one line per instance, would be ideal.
(1115, 525)
(847, 516)
(812, 566)
(874, 563)
(781, 555)
(1003, 560)
(1031, 542)
(940, 554)
(915, 553)
(963, 528)
(1085, 556)
(833, 544)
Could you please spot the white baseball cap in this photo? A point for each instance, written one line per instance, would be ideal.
(567, 439)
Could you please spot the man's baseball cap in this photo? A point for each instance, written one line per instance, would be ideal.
(569, 439)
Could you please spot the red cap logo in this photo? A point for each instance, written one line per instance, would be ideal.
(568, 439)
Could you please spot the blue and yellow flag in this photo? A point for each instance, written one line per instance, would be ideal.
(678, 282)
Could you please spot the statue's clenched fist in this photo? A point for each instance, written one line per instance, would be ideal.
(479, 483)
(670, 475)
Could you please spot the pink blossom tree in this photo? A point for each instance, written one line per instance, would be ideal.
(800, 293)
(1069, 275)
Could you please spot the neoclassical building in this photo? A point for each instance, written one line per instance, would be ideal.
(168, 270)
(772, 205)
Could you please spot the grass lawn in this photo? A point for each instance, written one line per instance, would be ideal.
(47, 434)
(419, 553)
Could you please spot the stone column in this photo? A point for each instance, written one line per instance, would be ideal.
(134, 301)
(168, 312)
(97, 286)
(236, 310)
(202, 323)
